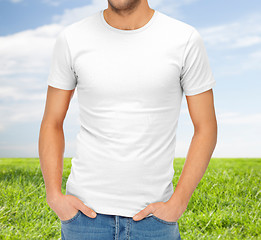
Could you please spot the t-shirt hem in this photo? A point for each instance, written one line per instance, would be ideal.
(103, 206)
(200, 89)
(118, 212)
(60, 86)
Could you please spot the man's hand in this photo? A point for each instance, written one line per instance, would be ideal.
(66, 206)
(163, 210)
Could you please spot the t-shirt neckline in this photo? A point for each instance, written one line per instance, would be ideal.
(149, 23)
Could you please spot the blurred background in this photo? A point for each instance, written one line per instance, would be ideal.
(231, 31)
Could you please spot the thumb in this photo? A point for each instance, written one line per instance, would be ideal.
(143, 213)
(88, 211)
(85, 209)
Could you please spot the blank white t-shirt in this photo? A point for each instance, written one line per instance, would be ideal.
(130, 85)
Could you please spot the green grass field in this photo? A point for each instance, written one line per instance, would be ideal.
(225, 205)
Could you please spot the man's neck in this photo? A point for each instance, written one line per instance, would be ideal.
(128, 20)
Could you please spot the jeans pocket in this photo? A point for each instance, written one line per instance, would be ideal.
(71, 219)
(163, 221)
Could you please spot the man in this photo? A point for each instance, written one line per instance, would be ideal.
(131, 65)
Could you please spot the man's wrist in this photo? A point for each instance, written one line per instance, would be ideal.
(53, 196)
(179, 198)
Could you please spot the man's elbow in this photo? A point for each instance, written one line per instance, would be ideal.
(208, 129)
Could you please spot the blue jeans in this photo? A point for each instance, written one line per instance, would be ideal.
(114, 227)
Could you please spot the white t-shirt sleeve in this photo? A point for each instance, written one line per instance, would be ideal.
(61, 73)
(196, 75)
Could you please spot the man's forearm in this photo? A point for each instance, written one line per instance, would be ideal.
(197, 160)
(51, 150)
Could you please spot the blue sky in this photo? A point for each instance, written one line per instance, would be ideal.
(231, 31)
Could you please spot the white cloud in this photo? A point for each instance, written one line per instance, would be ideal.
(238, 43)
(238, 134)
(236, 118)
(247, 41)
(14, 93)
(228, 118)
(172, 7)
(239, 63)
(72, 15)
(27, 106)
(27, 51)
(244, 32)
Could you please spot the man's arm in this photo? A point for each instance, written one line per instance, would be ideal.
(202, 113)
(51, 151)
(51, 139)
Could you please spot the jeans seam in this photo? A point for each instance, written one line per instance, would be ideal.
(116, 228)
(128, 229)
